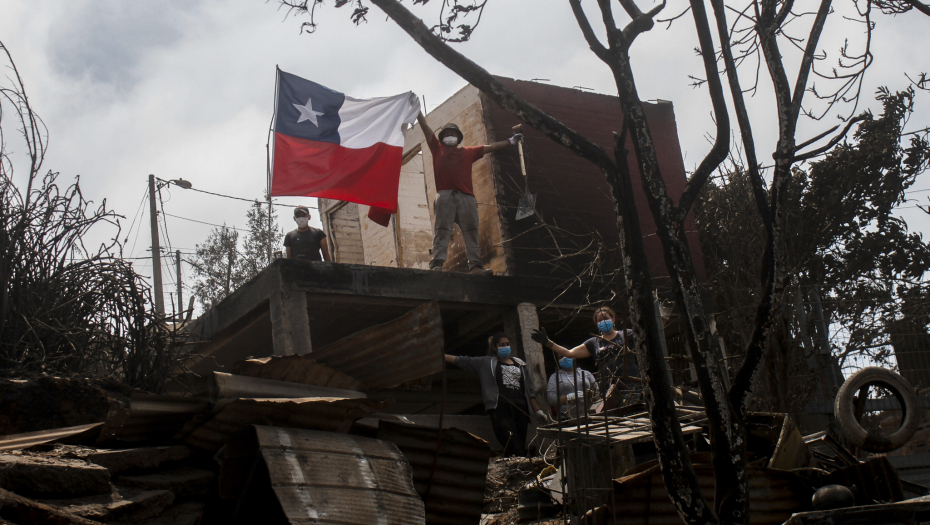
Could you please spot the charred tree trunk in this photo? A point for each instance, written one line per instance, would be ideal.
(673, 454)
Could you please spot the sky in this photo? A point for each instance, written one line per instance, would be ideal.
(185, 88)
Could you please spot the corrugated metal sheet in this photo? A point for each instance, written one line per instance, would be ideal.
(234, 386)
(322, 477)
(57, 435)
(212, 430)
(150, 418)
(296, 369)
(774, 495)
(456, 493)
(405, 349)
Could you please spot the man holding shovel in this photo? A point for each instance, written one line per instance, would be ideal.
(455, 199)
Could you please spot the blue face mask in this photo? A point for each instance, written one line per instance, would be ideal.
(503, 352)
(605, 326)
(566, 363)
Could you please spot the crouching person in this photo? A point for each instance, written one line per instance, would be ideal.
(505, 390)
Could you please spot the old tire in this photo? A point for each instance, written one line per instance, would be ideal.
(843, 409)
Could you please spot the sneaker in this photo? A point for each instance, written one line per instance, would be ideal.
(480, 270)
(436, 268)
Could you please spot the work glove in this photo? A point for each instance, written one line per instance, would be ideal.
(539, 335)
(572, 396)
(516, 138)
(541, 418)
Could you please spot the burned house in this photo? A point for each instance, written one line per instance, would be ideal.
(303, 308)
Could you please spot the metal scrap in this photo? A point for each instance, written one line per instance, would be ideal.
(211, 431)
(318, 477)
(451, 476)
(774, 495)
(296, 369)
(383, 356)
(88, 432)
(150, 418)
(234, 386)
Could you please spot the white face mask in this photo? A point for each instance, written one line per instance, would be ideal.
(450, 140)
(302, 221)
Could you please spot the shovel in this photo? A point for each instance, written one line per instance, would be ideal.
(527, 204)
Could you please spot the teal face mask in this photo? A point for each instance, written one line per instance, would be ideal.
(503, 352)
(605, 326)
(566, 363)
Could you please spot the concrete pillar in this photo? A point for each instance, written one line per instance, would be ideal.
(528, 321)
(290, 323)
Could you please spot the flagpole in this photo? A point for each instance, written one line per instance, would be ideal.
(268, 164)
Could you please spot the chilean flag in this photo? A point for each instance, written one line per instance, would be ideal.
(330, 145)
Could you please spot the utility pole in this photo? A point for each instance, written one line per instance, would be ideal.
(180, 298)
(156, 251)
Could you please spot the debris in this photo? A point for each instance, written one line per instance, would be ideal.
(121, 504)
(211, 431)
(61, 402)
(233, 386)
(784, 445)
(180, 480)
(872, 481)
(915, 510)
(150, 419)
(20, 510)
(38, 476)
(189, 513)
(323, 476)
(296, 369)
(506, 477)
(77, 434)
(774, 495)
(120, 460)
(451, 477)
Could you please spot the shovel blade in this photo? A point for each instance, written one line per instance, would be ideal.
(526, 206)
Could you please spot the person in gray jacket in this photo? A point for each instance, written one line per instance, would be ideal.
(505, 391)
(567, 388)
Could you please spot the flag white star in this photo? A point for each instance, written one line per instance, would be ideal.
(307, 113)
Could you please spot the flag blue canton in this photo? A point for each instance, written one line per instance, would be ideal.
(307, 110)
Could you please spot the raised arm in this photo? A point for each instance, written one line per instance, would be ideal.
(512, 141)
(427, 131)
(579, 352)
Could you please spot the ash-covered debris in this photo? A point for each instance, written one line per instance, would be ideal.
(506, 477)
(46, 402)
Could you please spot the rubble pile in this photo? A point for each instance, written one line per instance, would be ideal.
(250, 449)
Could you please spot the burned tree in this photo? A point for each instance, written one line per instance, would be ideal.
(66, 308)
(745, 32)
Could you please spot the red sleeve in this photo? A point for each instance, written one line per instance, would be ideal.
(475, 153)
(433, 143)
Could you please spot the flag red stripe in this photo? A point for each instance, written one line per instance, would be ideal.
(321, 169)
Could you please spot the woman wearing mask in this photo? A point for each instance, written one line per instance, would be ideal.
(567, 388)
(617, 370)
(505, 391)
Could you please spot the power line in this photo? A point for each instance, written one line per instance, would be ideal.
(244, 199)
(207, 223)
